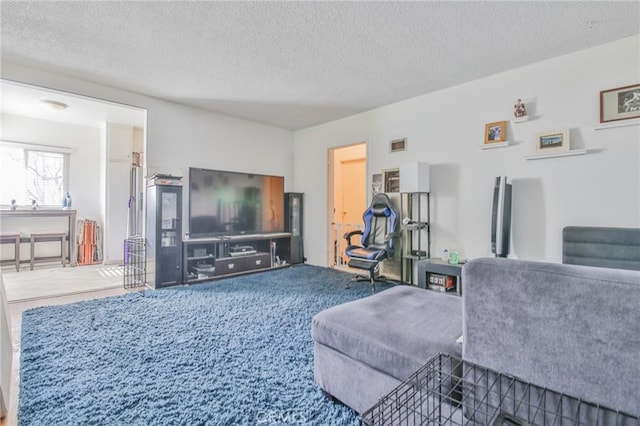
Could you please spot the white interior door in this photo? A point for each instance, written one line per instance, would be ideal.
(354, 196)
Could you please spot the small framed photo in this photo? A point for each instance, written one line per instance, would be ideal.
(621, 103)
(554, 141)
(495, 132)
(376, 183)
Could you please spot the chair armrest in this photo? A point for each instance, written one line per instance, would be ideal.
(348, 235)
(391, 235)
(388, 241)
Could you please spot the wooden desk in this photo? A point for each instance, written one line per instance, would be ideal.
(70, 214)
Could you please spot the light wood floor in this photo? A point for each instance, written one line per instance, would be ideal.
(71, 281)
(54, 280)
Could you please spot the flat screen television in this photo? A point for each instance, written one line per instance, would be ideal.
(233, 203)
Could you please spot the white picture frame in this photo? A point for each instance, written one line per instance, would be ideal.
(553, 142)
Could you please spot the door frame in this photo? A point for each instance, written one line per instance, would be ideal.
(331, 170)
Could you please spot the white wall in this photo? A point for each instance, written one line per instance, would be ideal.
(446, 129)
(84, 161)
(179, 137)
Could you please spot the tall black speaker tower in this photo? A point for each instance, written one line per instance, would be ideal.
(293, 223)
(501, 217)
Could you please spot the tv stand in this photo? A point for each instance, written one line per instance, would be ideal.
(209, 258)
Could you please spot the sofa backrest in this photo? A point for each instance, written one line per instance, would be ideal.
(572, 329)
(605, 247)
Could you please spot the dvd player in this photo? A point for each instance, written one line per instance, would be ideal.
(241, 250)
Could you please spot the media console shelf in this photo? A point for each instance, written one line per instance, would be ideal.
(215, 257)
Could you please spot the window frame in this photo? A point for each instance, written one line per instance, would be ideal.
(66, 161)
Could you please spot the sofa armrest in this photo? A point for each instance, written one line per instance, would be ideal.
(573, 329)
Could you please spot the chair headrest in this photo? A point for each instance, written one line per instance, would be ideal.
(381, 205)
(380, 211)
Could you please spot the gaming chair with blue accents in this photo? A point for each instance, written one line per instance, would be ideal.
(380, 222)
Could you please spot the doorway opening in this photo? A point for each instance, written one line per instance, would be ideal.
(105, 143)
(347, 198)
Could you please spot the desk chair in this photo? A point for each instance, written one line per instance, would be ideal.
(377, 239)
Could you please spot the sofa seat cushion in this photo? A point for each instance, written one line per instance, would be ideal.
(394, 331)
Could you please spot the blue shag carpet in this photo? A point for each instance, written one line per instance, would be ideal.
(231, 352)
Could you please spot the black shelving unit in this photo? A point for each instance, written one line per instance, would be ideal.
(439, 267)
(415, 220)
(209, 258)
(199, 259)
(293, 210)
(164, 231)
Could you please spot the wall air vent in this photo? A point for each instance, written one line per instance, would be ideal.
(398, 145)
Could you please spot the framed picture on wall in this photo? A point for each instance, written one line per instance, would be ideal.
(554, 141)
(621, 103)
(376, 183)
(495, 132)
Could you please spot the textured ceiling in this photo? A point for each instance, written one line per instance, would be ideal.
(297, 64)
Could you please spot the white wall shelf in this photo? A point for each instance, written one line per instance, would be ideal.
(617, 124)
(494, 145)
(520, 119)
(558, 154)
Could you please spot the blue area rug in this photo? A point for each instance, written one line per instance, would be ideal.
(235, 351)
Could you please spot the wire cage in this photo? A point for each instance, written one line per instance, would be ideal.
(135, 262)
(450, 391)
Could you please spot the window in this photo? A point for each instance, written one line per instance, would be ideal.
(31, 172)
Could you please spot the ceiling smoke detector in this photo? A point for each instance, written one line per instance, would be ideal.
(53, 105)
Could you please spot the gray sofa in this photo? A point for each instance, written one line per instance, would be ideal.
(575, 329)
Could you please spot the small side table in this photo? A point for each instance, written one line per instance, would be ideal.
(439, 266)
